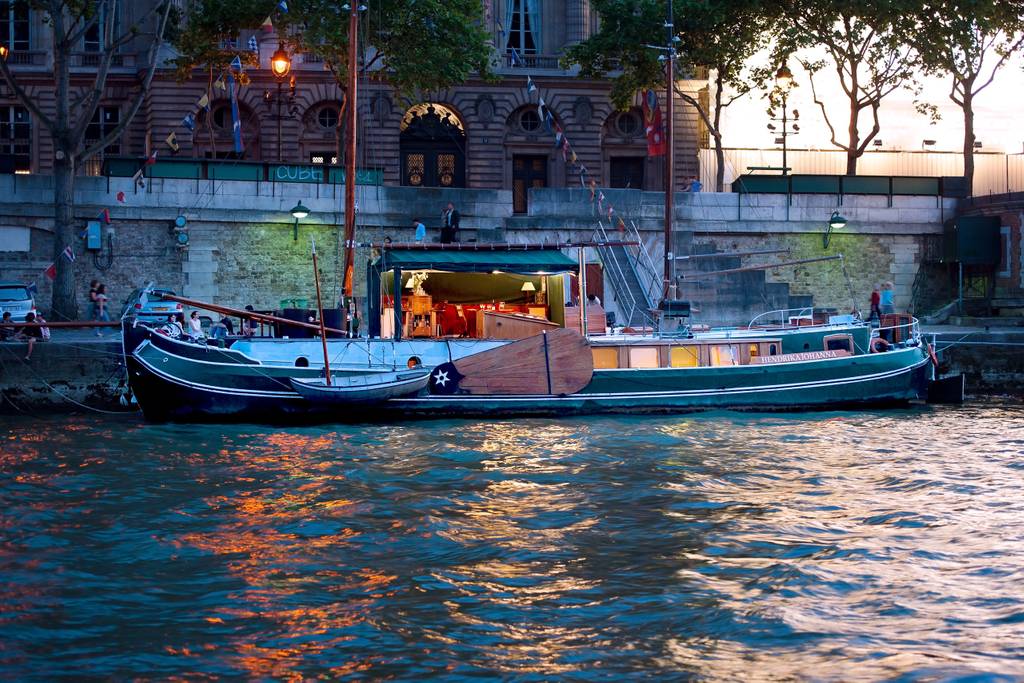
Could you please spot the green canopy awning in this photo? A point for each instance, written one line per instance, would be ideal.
(521, 261)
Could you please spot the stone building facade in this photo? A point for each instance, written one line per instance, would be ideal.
(482, 135)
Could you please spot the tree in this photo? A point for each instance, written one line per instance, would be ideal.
(414, 45)
(970, 40)
(719, 34)
(74, 104)
(870, 47)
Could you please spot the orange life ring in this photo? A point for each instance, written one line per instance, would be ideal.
(879, 345)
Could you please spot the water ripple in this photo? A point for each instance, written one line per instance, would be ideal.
(829, 546)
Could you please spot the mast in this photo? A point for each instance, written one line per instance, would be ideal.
(320, 316)
(669, 290)
(350, 149)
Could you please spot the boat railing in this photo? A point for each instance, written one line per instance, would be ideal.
(782, 317)
(907, 329)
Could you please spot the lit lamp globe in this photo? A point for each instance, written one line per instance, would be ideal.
(784, 77)
(280, 64)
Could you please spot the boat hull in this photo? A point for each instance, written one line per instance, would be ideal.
(179, 386)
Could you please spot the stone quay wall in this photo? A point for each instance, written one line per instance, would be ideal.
(242, 248)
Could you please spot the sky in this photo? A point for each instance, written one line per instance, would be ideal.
(998, 116)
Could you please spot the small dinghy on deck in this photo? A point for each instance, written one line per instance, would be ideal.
(368, 387)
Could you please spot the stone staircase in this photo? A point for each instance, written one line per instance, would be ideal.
(735, 298)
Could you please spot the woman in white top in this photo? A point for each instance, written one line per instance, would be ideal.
(195, 325)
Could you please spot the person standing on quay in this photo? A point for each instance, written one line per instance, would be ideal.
(887, 299)
(876, 313)
(421, 230)
(449, 224)
(101, 300)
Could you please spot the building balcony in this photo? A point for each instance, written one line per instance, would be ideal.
(532, 61)
(28, 58)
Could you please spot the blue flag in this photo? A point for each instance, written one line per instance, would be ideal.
(236, 122)
(253, 45)
(236, 63)
(283, 6)
(189, 121)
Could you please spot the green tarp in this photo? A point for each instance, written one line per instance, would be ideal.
(522, 261)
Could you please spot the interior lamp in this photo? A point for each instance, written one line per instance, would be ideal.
(528, 288)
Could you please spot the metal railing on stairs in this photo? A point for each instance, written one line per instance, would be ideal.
(632, 275)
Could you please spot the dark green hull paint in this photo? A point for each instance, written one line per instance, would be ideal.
(181, 386)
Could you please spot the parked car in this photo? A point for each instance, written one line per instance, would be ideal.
(151, 308)
(16, 298)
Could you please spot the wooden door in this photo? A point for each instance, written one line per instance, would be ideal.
(528, 170)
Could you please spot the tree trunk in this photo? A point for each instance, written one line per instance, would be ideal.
(968, 107)
(720, 160)
(854, 142)
(64, 303)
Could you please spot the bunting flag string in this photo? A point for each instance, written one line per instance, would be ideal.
(283, 6)
(69, 254)
(268, 25)
(253, 45)
(51, 271)
(531, 87)
(172, 142)
(189, 121)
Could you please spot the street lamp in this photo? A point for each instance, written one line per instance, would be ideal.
(835, 222)
(280, 66)
(298, 211)
(783, 84)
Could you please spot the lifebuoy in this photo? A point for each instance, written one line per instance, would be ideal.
(879, 345)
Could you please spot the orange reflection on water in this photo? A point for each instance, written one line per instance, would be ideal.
(282, 541)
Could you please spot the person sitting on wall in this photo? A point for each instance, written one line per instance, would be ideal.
(248, 324)
(7, 329)
(29, 334)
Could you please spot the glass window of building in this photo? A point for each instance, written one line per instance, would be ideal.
(103, 122)
(93, 40)
(16, 138)
(327, 117)
(524, 20)
(14, 34)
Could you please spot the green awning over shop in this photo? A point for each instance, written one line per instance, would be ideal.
(521, 261)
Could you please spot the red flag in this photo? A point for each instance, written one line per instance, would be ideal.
(151, 159)
(653, 125)
(565, 148)
(105, 216)
(51, 271)
(120, 197)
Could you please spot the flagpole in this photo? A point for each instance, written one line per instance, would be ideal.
(668, 292)
(320, 315)
(350, 150)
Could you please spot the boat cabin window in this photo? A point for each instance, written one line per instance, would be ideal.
(684, 356)
(773, 349)
(724, 354)
(643, 357)
(605, 357)
(839, 342)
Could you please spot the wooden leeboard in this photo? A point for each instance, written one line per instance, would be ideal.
(521, 368)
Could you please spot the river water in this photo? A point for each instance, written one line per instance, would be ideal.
(833, 546)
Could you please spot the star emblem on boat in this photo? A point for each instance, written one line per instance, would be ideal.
(441, 377)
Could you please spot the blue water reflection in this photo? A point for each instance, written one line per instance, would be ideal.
(839, 546)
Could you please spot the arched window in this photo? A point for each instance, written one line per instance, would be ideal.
(433, 147)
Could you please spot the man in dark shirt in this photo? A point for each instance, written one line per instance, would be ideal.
(449, 224)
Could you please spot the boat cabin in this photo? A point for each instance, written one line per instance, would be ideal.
(479, 291)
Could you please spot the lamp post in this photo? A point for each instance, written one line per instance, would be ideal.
(835, 222)
(280, 66)
(783, 84)
(298, 211)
